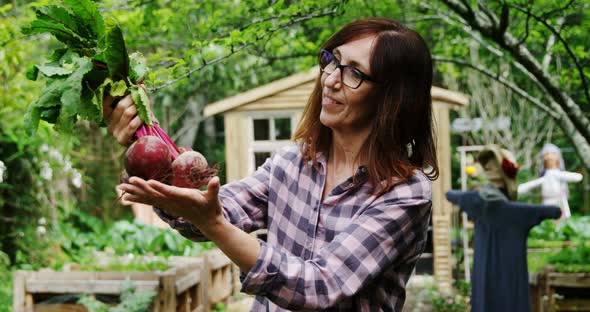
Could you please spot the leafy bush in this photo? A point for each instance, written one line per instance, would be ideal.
(452, 302)
(131, 301)
(574, 228)
(572, 259)
(5, 283)
(84, 235)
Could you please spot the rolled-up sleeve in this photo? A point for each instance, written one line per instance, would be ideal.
(382, 236)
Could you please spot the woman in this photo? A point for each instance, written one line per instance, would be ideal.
(346, 207)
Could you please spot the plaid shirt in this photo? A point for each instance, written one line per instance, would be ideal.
(352, 252)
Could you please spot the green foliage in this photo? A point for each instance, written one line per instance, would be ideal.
(570, 229)
(114, 53)
(451, 302)
(5, 283)
(220, 307)
(83, 235)
(572, 259)
(568, 240)
(77, 76)
(131, 301)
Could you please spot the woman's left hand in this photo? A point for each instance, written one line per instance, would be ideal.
(201, 208)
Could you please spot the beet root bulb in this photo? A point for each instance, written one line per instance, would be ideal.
(191, 170)
(149, 158)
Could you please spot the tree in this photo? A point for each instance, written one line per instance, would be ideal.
(545, 41)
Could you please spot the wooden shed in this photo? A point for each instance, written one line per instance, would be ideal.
(261, 120)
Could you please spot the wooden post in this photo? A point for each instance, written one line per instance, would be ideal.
(534, 291)
(166, 299)
(205, 285)
(18, 290)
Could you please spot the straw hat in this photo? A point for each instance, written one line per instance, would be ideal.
(508, 168)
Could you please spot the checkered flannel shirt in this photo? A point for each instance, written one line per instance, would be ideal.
(352, 252)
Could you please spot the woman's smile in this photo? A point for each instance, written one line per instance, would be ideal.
(328, 101)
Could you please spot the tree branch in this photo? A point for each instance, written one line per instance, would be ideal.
(235, 50)
(491, 16)
(497, 77)
(557, 35)
(526, 30)
(522, 55)
(449, 20)
(563, 8)
(549, 46)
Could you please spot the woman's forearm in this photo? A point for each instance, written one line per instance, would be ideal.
(241, 247)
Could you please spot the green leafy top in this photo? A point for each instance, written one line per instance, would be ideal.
(94, 61)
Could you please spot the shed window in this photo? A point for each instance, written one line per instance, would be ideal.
(260, 158)
(282, 128)
(269, 133)
(261, 129)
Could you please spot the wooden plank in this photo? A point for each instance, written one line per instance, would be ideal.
(187, 281)
(59, 308)
(29, 302)
(291, 104)
(18, 291)
(572, 305)
(92, 275)
(184, 302)
(166, 299)
(217, 259)
(221, 286)
(448, 97)
(112, 287)
(260, 92)
(196, 293)
(204, 286)
(575, 280)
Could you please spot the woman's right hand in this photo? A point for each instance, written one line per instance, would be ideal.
(123, 121)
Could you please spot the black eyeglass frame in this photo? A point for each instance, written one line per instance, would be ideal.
(362, 75)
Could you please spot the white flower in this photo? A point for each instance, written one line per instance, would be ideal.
(42, 221)
(55, 154)
(76, 178)
(46, 172)
(67, 166)
(41, 230)
(2, 169)
(44, 148)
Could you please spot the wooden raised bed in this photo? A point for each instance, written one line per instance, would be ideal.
(220, 287)
(192, 284)
(553, 291)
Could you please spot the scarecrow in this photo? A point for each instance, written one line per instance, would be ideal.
(500, 273)
(553, 180)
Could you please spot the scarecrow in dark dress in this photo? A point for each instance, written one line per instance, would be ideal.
(500, 273)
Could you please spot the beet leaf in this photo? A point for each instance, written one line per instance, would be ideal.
(93, 61)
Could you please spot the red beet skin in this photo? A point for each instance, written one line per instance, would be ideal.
(149, 158)
(190, 169)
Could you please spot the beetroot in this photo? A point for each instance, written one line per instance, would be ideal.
(149, 158)
(155, 156)
(190, 169)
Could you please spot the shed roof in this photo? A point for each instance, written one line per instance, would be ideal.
(280, 85)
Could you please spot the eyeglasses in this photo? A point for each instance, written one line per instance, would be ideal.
(350, 76)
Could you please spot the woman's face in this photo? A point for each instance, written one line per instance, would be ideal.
(345, 109)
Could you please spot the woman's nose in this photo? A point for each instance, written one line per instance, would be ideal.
(333, 80)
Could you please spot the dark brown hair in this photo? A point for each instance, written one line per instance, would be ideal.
(401, 61)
